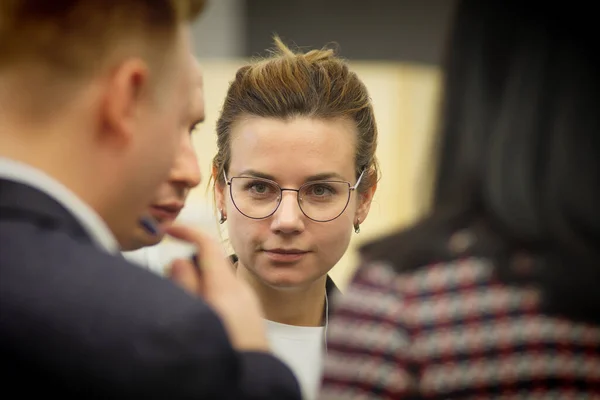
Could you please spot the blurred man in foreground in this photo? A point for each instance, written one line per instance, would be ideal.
(94, 95)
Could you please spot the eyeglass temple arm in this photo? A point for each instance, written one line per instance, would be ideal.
(358, 181)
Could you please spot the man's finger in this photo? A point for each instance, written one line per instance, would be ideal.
(213, 264)
(184, 273)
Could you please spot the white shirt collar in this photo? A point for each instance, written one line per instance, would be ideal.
(85, 215)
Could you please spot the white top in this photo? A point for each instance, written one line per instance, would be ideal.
(302, 349)
(158, 257)
(90, 220)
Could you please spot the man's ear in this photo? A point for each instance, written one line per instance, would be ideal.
(123, 97)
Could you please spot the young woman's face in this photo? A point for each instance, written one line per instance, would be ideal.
(287, 248)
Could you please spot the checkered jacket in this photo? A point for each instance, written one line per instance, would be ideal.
(453, 331)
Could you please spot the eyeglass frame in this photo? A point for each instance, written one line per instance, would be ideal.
(351, 188)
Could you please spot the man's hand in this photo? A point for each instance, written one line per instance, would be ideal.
(215, 281)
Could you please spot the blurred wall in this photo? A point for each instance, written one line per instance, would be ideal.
(378, 30)
(393, 30)
(219, 33)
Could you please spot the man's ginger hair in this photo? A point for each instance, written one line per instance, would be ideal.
(63, 41)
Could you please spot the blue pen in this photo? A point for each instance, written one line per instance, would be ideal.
(150, 225)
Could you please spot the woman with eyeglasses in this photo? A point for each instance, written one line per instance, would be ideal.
(294, 177)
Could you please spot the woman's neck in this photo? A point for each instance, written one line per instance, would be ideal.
(297, 306)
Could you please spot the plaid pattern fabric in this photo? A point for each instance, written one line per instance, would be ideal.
(453, 331)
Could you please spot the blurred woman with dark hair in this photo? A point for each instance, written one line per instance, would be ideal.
(495, 293)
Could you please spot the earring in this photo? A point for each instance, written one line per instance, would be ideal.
(356, 227)
(222, 218)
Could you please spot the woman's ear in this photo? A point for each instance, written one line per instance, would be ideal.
(364, 205)
(219, 189)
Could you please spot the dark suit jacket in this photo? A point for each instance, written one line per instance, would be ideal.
(80, 323)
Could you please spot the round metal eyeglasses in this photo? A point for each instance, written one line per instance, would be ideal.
(320, 201)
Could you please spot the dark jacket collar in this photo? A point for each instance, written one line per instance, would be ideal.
(21, 202)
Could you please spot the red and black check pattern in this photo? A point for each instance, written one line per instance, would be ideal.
(452, 331)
